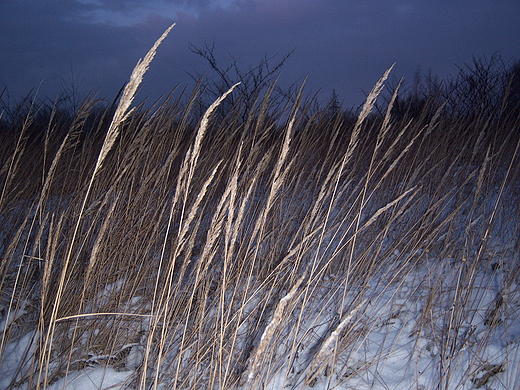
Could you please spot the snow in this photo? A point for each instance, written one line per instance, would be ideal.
(92, 378)
(393, 348)
(394, 352)
(14, 358)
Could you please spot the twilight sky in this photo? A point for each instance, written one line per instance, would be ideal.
(340, 44)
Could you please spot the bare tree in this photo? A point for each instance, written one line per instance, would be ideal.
(254, 81)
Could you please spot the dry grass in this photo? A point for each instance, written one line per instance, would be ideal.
(219, 255)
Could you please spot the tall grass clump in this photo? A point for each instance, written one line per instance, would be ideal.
(185, 252)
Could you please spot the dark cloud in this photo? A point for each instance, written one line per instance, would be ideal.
(339, 44)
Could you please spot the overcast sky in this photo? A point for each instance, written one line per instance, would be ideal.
(339, 44)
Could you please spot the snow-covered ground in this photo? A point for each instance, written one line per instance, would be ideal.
(423, 322)
(389, 347)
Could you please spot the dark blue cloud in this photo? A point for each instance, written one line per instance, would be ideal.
(339, 44)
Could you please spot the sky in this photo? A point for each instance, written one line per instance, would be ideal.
(49, 46)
